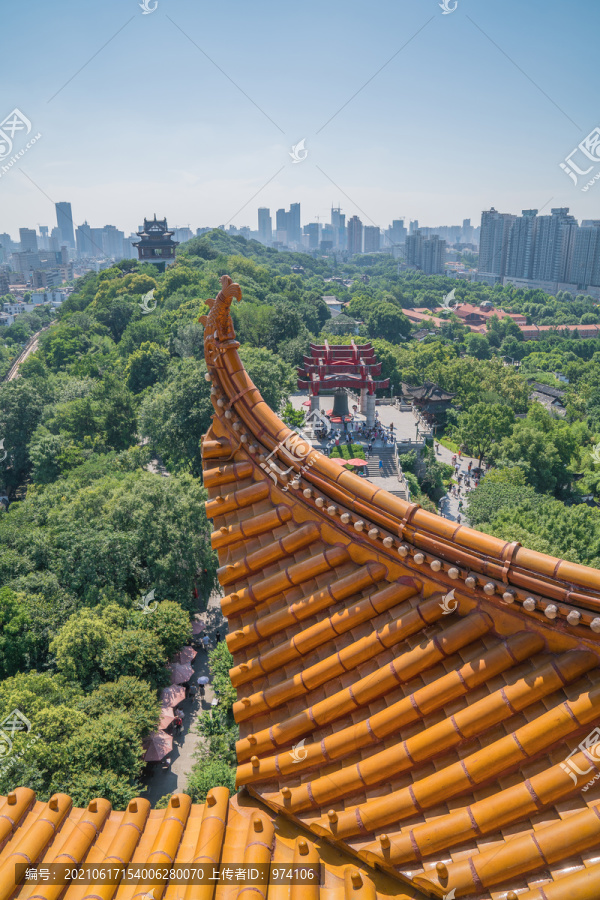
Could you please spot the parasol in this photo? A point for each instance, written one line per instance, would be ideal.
(186, 655)
(157, 746)
(306, 403)
(358, 462)
(198, 627)
(203, 680)
(180, 673)
(166, 717)
(172, 696)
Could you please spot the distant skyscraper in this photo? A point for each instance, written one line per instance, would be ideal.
(312, 230)
(493, 246)
(83, 237)
(43, 242)
(520, 245)
(265, 225)
(397, 233)
(112, 242)
(372, 239)
(64, 220)
(294, 227)
(28, 239)
(338, 222)
(354, 235)
(413, 227)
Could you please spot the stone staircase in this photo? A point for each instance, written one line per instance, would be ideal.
(389, 462)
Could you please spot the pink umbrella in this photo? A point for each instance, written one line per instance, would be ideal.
(340, 462)
(186, 655)
(197, 627)
(166, 717)
(306, 403)
(157, 746)
(172, 696)
(180, 673)
(358, 462)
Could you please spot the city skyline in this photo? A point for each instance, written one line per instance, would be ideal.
(430, 115)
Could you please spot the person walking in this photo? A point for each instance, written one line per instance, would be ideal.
(206, 642)
(217, 637)
(201, 690)
(380, 465)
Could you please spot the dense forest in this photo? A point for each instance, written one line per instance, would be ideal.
(91, 528)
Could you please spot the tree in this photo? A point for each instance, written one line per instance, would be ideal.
(386, 321)
(16, 640)
(79, 646)
(128, 695)
(483, 425)
(170, 625)
(21, 407)
(137, 653)
(146, 366)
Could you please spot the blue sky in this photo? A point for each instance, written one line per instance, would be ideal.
(451, 125)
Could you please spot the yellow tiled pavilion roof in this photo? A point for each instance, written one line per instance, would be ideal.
(418, 702)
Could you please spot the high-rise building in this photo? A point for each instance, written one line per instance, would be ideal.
(493, 246)
(265, 225)
(64, 221)
(354, 235)
(554, 239)
(427, 254)
(585, 260)
(372, 239)
(43, 242)
(413, 227)
(521, 240)
(28, 239)
(56, 240)
(434, 256)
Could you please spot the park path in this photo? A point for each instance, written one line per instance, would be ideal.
(160, 781)
(31, 347)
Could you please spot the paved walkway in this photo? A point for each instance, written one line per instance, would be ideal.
(167, 781)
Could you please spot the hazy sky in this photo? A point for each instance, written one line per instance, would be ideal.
(472, 109)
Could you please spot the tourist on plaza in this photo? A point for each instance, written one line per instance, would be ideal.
(380, 465)
(217, 637)
(206, 642)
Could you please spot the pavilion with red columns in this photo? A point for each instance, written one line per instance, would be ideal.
(342, 367)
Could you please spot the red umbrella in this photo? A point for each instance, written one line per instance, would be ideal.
(180, 673)
(166, 717)
(172, 696)
(358, 462)
(336, 420)
(306, 403)
(197, 627)
(340, 462)
(157, 746)
(186, 655)
(329, 412)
